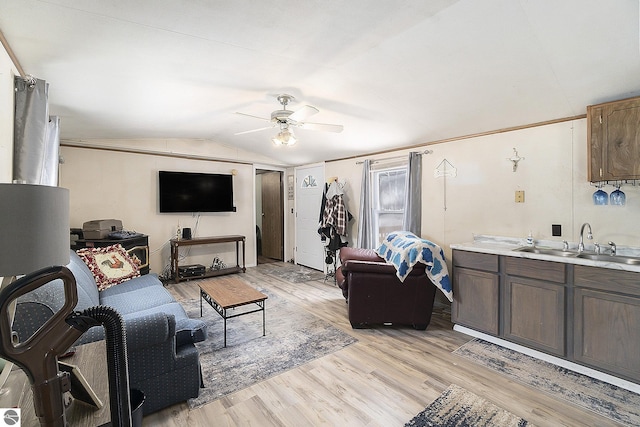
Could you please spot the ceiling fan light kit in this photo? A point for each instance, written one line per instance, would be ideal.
(284, 137)
(288, 119)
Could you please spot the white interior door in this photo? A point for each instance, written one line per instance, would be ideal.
(308, 198)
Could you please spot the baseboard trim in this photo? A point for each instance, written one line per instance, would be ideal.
(619, 382)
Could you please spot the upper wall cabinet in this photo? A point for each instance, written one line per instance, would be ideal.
(614, 140)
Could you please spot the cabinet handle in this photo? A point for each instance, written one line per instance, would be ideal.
(600, 118)
(600, 172)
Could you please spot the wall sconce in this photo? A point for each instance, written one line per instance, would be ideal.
(515, 158)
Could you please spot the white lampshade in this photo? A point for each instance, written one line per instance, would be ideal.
(34, 228)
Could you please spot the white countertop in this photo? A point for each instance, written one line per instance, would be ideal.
(505, 246)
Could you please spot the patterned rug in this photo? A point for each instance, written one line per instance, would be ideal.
(293, 337)
(292, 273)
(457, 407)
(605, 399)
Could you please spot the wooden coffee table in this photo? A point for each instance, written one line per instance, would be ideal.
(224, 293)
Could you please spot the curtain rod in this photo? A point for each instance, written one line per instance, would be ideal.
(12, 56)
(385, 159)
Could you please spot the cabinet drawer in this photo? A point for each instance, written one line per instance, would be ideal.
(475, 260)
(627, 282)
(536, 269)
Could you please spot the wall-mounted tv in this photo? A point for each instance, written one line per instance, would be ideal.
(195, 192)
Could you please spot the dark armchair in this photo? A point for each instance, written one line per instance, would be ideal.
(375, 295)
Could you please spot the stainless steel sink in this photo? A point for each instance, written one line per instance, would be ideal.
(547, 251)
(621, 259)
(610, 258)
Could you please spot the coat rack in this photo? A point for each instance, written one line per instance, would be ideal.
(445, 169)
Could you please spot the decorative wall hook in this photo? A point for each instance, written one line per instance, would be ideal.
(445, 168)
(515, 159)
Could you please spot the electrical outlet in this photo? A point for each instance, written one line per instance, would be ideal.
(520, 196)
(556, 230)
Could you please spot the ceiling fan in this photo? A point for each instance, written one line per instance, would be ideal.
(285, 120)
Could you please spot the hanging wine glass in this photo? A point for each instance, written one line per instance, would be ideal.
(618, 197)
(600, 197)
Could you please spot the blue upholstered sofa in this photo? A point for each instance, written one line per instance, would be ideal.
(163, 360)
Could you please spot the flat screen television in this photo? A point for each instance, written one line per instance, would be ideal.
(195, 192)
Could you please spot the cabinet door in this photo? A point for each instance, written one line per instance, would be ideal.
(476, 296)
(595, 140)
(607, 332)
(614, 140)
(534, 314)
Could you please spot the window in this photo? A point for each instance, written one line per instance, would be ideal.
(388, 187)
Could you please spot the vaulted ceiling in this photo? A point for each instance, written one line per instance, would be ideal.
(394, 73)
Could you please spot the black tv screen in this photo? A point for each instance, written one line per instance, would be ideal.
(195, 192)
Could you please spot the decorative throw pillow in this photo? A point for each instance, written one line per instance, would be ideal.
(109, 265)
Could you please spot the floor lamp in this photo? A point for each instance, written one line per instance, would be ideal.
(34, 234)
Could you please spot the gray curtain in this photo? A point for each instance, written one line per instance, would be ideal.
(412, 220)
(366, 237)
(36, 142)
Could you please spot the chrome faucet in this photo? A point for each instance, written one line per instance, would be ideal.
(613, 248)
(589, 236)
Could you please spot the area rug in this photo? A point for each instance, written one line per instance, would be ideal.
(457, 407)
(293, 337)
(598, 396)
(292, 273)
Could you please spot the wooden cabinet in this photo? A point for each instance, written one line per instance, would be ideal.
(476, 291)
(587, 315)
(534, 304)
(613, 131)
(607, 321)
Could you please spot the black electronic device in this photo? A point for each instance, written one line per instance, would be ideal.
(123, 234)
(193, 270)
(195, 192)
(186, 233)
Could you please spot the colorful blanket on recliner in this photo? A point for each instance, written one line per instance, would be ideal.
(404, 250)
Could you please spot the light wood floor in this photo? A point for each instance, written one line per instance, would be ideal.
(384, 379)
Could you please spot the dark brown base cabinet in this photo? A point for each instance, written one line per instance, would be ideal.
(587, 315)
(476, 291)
(534, 304)
(607, 320)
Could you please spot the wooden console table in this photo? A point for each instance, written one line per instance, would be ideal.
(177, 243)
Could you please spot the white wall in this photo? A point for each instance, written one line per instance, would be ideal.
(107, 184)
(7, 73)
(481, 199)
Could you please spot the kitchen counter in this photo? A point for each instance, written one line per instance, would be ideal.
(566, 310)
(505, 246)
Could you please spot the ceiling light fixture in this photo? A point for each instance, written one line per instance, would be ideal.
(284, 137)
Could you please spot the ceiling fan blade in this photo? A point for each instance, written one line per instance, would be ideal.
(303, 113)
(253, 130)
(325, 127)
(255, 117)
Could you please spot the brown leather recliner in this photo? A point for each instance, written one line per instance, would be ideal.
(375, 295)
